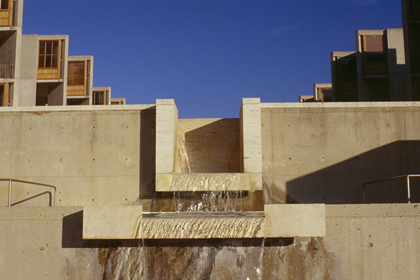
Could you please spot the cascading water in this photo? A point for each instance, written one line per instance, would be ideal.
(221, 235)
(183, 160)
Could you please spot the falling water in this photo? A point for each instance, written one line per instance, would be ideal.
(193, 226)
(206, 209)
(214, 201)
(260, 260)
(183, 160)
(207, 192)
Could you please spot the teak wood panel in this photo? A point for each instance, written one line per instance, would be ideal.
(6, 15)
(5, 102)
(48, 73)
(77, 90)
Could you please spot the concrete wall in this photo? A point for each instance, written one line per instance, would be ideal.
(212, 145)
(323, 153)
(362, 242)
(8, 49)
(27, 75)
(91, 156)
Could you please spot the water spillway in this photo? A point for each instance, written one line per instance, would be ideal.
(201, 226)
(207, 166)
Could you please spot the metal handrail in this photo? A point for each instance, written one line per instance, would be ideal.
(393, 178)
(9, 199)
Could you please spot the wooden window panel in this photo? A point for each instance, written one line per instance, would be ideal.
(6, 12)
(374, 55)
(76, 79)
(4, 95)
(99, 98)
(49, 56)
(373, 43)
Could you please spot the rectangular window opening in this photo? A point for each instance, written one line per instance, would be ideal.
(48, 54)
(98, 98)
(76, 73)
(4, 4)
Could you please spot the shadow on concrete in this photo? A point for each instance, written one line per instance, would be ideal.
(147, 153)
(214, 147)
(342, 183)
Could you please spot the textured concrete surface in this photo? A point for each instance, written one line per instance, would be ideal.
(323, 153)
(111, 222)
(296, 220)
(81, 152)
(363, 242)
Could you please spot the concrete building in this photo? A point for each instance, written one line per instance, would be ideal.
(10, 43)
(79, 80)
(118, 101)
(35, 70)
(376, 71)
(110, 202)
(344, 76)
(322, 93)
(101, 96)
(321, 190)
(411, 17)
(384, 66)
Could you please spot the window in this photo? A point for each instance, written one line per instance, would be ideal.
(4, 4)
(76, 73)
(6, 12)
(48, 54)
(415, 9)
(98, 98)
(374, 56)
(346, 74)
(4, 95)
(324, 94)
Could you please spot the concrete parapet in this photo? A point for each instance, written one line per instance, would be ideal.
(111, 222)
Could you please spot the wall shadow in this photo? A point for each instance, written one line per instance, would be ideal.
(214, 147)
(342, 183)
(147, 153)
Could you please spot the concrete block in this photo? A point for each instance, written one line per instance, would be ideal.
(251, 135)
(166, 135)
(117, 222)
(294, 220)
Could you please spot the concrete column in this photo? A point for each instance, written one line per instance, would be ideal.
(250, 141)
(166, 131)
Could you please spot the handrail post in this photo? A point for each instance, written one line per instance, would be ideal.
(408, 189)
(9, 203)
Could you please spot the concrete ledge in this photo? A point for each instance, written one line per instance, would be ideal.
(105, 222)
(352, 105)
(294, 220)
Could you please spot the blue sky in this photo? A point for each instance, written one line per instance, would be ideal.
(209, 54)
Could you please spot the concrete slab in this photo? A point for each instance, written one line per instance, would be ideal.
(117, 222)
(294, 220)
